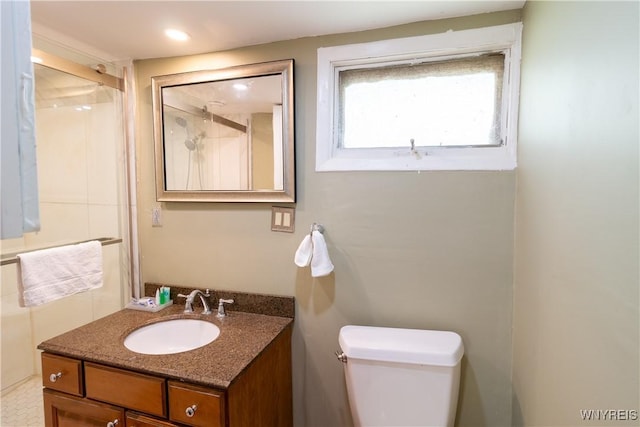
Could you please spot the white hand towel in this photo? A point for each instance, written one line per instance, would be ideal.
(321, 264)
(303, 255)
(49, 274)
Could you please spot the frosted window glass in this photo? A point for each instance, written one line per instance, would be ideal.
(440, 104)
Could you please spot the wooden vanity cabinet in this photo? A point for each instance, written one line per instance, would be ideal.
(95, 394)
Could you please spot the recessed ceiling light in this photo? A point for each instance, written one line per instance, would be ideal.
(240, 86)
(176, 34)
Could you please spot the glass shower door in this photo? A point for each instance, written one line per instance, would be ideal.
(82, 185)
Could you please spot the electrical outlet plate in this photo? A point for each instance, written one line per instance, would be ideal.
(283, 219)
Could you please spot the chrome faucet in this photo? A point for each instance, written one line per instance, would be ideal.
(188, 305)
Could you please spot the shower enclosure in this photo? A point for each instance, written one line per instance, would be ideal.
(83, 192)
(204, 155)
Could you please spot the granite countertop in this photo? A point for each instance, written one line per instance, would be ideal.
(243, 336)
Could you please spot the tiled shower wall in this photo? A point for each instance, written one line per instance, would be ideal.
(81, 188)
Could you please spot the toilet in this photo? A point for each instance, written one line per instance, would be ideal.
(401, 377)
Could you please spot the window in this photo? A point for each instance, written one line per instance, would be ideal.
(439, 102)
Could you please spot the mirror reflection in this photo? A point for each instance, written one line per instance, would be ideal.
(225, 135)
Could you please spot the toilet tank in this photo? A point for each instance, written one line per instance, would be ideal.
(401, 377)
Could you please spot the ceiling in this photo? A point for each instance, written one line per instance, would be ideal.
(117, 30)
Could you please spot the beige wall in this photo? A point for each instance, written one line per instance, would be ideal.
(576, 321)
(431, 250)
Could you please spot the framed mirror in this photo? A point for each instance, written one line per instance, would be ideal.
(225, 135)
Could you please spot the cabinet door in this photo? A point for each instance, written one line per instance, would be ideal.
(140, 420)
(63, 410)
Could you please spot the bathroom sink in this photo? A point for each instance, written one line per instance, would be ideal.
(172, 336)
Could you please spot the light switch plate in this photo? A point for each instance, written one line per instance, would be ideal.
(283, 219)
(156, 217)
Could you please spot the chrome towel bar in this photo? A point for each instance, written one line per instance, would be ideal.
(12, 258)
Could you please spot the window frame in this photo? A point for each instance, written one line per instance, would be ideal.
(505, 39)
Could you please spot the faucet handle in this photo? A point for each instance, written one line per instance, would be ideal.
(221, 302)
(188, 305)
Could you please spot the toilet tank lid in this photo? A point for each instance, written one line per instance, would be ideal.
(416, 346)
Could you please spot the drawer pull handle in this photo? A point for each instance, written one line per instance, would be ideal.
(54, 377)
(191, 411)
(113, 423)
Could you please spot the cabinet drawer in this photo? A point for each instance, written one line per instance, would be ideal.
(135, 419)
(62, 374)
(141, 392)
(208, 405)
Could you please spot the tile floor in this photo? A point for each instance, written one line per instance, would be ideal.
(22, 406)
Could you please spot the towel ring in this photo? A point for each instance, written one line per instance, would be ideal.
(317, 227)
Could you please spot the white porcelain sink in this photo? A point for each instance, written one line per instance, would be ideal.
(172, 336)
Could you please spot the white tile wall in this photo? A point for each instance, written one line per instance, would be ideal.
(17, 355)
(110, 297)
(102, 165)
(62, 154)
(61, 223)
